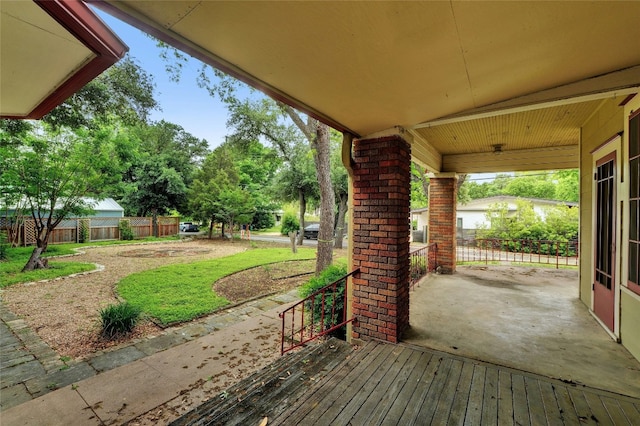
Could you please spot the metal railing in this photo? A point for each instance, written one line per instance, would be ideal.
(422, 261)
(321, 313)
(518, 251)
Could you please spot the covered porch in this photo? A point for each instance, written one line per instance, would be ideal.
(486, 345)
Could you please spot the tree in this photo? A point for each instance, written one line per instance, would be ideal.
(254, 121)
(340, 182)
(214, 177)
(158, 188)
(122, 94)
(55, 171)
(165, 157)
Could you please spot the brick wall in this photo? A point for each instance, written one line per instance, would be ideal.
(381, 191)
(442, 220)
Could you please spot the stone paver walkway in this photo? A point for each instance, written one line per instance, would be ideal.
(29, 368)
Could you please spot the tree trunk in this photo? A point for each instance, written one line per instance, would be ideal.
(322, 157)
(342, 218)
(303, 210)
(35, 261)
(211, 229)
(292, 237)
(154, 221)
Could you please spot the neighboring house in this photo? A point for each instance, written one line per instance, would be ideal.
(102, 208)
(473, 215)
(107, 208)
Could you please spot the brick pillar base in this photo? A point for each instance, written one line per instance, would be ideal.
(442, 220)
(381, 191)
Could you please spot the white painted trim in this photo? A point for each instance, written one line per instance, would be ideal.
(614, 145)
(530, 107)
(631, 293)
(612, 335)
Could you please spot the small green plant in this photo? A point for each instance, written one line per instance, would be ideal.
(84, 236)
(3, 245)
(289, 224)
(125, 230)
(332, 314)
(119, 319)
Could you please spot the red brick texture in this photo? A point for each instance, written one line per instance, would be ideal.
(381, 182)
(442, 221)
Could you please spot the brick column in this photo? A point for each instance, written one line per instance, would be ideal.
(380, 246)
(442, 220)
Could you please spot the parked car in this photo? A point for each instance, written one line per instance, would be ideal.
(311, 231)
(189, 227)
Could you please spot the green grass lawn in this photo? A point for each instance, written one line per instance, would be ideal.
(17, 257)
(176, 293)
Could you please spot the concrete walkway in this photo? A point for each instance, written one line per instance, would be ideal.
(521, 317)
(117, 386)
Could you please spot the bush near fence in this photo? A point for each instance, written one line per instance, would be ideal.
(76, 230)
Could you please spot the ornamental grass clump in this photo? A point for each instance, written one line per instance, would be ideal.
(119, 319)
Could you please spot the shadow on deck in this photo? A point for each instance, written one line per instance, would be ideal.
(380, 383)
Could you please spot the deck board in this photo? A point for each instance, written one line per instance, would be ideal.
(490, 398)
(615, 412)
(341, 394)
(630, 411)
(550, 402)
(474, 404)
(410, 414)
(399, 405)
(383, 384)
(443, 409)
(374, 409)
(597, 408)
(459, 405)
(361, 406)
(520, 404)
(582, 407)
(567, 410)
(505, 399)
(534, 398)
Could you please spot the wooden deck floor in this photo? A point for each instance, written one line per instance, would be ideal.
(382, 384)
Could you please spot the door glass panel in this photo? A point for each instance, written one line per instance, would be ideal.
(604, 223)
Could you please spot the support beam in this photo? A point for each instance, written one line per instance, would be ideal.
(555, 158)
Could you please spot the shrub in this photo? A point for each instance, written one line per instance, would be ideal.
(263, 219)
(289, 224)
(3, 245)
(119, 319)
(331, 316)
(125, 230)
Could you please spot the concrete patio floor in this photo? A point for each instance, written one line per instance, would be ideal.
(524, 318)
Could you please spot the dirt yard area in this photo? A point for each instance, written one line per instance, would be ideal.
(65, 312)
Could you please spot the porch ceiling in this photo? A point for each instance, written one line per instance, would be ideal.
(49, 50)
(367, 67)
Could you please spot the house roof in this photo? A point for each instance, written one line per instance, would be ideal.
(481, 202)
(474, 204)
(48, 51)
(456, 78)
(108, 204)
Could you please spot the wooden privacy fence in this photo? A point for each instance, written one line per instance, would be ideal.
(82, 230)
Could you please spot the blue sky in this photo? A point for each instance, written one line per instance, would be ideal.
(182, 103)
